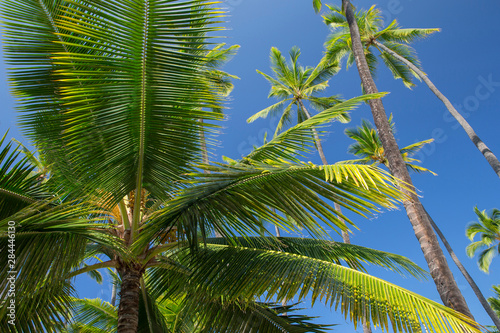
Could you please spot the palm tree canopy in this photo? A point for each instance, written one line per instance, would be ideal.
(488, 228)
(370, 22)
(369, 149)
(292, 83)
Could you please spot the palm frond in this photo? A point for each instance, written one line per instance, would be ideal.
(354, 256)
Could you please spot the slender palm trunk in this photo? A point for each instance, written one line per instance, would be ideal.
(438, 267)
(128, 310)
(470, 280)
(480, 145)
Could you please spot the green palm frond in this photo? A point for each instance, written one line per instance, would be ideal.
(40, 309)
(354, 256)
(286, 275)
(216, 315)
(93, 314)
(61, 230)
(19, 184)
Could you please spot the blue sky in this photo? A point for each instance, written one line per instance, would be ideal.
(460, 60)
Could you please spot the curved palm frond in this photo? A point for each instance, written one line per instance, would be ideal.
(283, 276)
(353, 255)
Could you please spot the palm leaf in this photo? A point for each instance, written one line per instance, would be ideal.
(269, 273)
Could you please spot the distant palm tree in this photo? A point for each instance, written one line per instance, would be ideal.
(369, 149)
(393, 44)
(293, 84)
(488, 228)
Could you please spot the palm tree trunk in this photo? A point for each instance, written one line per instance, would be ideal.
(128, 310)
(438, 267)
(480, 145)
(466, 274)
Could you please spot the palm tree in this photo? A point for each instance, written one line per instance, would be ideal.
(112, 94)
(392, 42)
(488, 228)
(294, 84)
(443, 278)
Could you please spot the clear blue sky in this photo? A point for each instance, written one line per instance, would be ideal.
(458, 60)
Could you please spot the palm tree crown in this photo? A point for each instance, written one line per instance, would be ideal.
(369, 149)
(292, 84)
(370, 22)
(488, 228)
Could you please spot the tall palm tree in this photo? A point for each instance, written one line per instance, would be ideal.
(393, 44)
(111, 93)
(293, 84)
(488, 228)
(440, 271)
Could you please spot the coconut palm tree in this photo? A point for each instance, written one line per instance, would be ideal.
(393, 44)
(112, 93)
(488, 228)
(171, 272)
(293, 85)
(443, 278)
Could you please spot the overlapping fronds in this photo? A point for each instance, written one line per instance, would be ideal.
(235, 199)
(131, 124)
(63, 231)
(216, 315)
(217, 271)
(298, 139)
(39, 309)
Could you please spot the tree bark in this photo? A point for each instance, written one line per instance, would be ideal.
(470, 280)
(438, 267)
(480, 145)
(128, 310)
